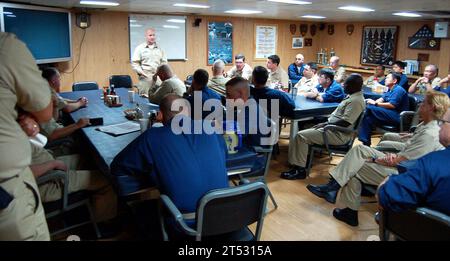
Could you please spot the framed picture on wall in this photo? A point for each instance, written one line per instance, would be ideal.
(265, 41)
(379, 45)
(297, 42)
(220, 42)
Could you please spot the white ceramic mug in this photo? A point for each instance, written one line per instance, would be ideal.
(131, 96)
(144, 124)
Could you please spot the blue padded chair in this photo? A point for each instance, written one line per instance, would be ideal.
(84, 86)
(121, 81)
(422, 224)
(334, 149)
(222, 214)
(406, 117)
(61, 208)
(251, 164)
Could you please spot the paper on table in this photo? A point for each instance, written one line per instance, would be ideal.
(121, 128)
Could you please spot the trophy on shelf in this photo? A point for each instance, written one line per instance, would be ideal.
(319, 56)
(332, 53)
(325, 57)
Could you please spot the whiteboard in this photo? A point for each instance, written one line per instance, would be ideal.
(171, 36)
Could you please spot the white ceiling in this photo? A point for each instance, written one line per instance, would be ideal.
(327, 8)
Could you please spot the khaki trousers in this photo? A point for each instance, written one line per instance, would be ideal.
(354, 169)
(24, 218)
(104, 199)
(394, 141)
(298, 152)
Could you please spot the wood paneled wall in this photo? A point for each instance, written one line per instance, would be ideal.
(105, 49)
(348, 47)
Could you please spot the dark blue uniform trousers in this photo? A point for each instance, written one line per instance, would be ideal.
(376, 116)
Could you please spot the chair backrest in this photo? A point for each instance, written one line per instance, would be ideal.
(412, 102)
(121, 81)
(230, 209)
(417, 224)
(356, 127)
(188, 81)
(84, 86)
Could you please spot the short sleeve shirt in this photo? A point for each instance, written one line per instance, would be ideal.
(21, 86)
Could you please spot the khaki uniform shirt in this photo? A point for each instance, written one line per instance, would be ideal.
(307, 85)
(217, 83)
(421, 88)
(339, 74)
(424, 140)
(349, 109)
(246, 72)
(21, 85)
(47, 128)
(371, 80)
(147, 58)
(278, 76)
(172, 85)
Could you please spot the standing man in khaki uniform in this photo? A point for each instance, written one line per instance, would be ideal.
(277, 75)
(217, 81)
(170, 84)
(21, 88)
(364, 164)
(345, 115)
(240, 68)
(339, 71)
(427, 82)
(146, 59)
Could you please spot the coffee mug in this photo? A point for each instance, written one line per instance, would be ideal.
(144, 124)
(131, 96)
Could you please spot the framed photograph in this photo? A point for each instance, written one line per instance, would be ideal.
(265, 41)
(220, 42)
(379, 45)
(297, 42)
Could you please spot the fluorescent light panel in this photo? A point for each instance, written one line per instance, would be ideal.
(99, 3)
(178, 21)
(294, 2)
(407, 14)
(313, 16)
(191, 5)
(356, 8)
(242, 11)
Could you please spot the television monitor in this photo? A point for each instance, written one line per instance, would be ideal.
(46, 31)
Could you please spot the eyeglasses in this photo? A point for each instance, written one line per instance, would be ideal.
(441, 122)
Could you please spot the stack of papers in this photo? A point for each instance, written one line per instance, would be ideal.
(121, 128)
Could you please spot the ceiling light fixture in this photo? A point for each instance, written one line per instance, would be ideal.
(191, 5)
(356, 8)
(99, 3)
(406, 14)
(313, 16)
(294, 2)
(242, 11)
